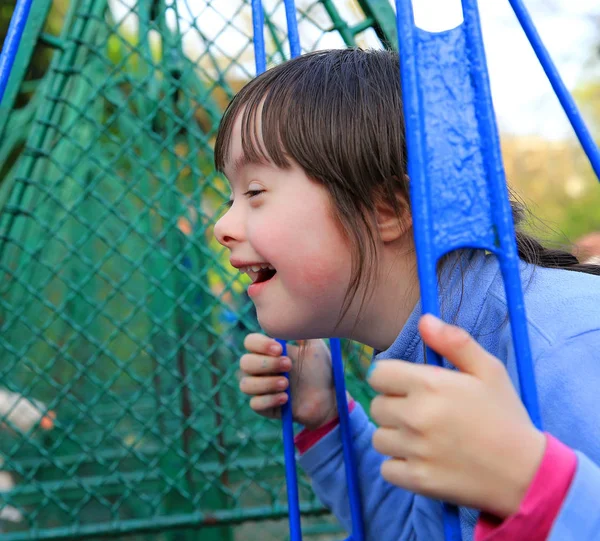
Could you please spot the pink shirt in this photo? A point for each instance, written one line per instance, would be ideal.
(541, 504)
(539, 508)
(307, 438)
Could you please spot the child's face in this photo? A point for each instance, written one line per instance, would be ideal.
(282, 218)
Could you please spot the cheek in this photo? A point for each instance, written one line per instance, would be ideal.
(311, 253)
(321, 268)
(323, 279)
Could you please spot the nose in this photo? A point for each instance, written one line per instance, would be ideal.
(228, 229)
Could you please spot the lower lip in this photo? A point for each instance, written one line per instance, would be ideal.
(255, 289)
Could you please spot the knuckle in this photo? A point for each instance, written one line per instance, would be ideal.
(419, 476)
(248, 341)
(255, 404)
(387, 472)
(253, 341)
(424, 419)
(377, 440)
(244, 386)
(377, 407)
(244, 362)
(433, 382)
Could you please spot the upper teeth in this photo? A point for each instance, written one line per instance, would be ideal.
(256, 268)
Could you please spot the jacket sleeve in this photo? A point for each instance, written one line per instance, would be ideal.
(388, 511)
(579, 517)
(568, 380)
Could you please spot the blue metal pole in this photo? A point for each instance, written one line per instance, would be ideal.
(565, 98)
(258, 25)
(292, 26)
(358, 527)
(289, 450)
(509, 260)
(289, 454)
(288, 420)
(426, 256)
(12, 41)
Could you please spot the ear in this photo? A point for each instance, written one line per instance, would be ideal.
(391, 227)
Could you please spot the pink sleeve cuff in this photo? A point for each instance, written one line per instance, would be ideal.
(307, 438)
(542, 502)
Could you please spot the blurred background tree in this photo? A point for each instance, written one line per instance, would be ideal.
(554, 177)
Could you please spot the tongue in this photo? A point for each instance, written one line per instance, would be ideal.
(265, 275)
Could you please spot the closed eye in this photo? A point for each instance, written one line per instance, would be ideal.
(250, 193)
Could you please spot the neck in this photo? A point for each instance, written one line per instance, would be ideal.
(394, 294)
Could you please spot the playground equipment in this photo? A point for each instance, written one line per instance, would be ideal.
(457, 203)
(110, 311)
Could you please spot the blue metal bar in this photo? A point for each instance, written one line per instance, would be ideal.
(289, 454)
(12, 41)
(454, 66)
(337, 363)
(358, 527)
(423, 220)
(565, 98)
(288, 421)
(292, 27)
(289, 450)
(507, 254)
(258, 27)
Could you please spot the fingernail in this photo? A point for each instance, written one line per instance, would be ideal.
(286, 363)
(370, 371)
(275, 349)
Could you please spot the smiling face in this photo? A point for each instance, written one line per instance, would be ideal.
(281, 218)
(315, 154)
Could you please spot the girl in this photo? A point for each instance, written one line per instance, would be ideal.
(320, 219)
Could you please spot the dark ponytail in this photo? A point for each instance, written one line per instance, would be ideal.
(534, 252)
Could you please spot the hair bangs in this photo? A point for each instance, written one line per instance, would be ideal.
(263, 108)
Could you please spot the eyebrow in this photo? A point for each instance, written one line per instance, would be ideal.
(241, 162)
(245, 160)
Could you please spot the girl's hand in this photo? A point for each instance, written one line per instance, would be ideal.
(313, 395)
(462, 437)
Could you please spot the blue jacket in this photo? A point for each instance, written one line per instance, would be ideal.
(563, 314)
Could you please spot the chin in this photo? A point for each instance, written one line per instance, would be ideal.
(287, 330)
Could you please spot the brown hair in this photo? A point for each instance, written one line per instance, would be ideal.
(338, 114)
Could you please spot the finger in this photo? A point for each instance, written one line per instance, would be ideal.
(388, 411)
(458, 347)
(256, 365)
(392, 442)
(399, 378)
(404, 473)
(261, 404)
(264, 385)
(259, 343)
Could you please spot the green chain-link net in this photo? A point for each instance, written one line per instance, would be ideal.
(121, 322)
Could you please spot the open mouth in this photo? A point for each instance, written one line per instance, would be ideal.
(265, 275)
(259, 273)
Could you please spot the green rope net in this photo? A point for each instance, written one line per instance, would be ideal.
(121, 322)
